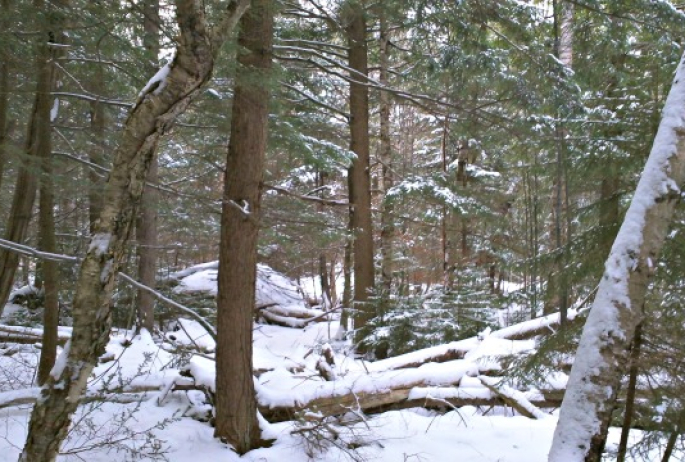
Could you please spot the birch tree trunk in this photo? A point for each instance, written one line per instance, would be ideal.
(603, 353)
(236, 403)
(157, 108)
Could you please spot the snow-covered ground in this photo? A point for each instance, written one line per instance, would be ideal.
(149, 421)
(162, 422)
(409, 435)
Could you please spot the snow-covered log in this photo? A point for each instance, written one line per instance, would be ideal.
(405, 398)
(278, 299)
(26, 335)
(457, 350)
(602, 355)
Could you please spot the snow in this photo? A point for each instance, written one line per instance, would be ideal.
(273, 288)
(288, 357)
(54, 110)
(579, 420)
(160, 78)
(61, 362)
(99, 243)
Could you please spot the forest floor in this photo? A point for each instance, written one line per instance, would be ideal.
(150, 399)
(165, 423)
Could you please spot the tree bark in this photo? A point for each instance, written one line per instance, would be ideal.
(358, 173)
(236, 405)
(48, 243)
(4, 90)
(602, 356)
(146, 225)
(38, 134)
(630, 397)
(387, 222)
(326, 299)
(152, 115)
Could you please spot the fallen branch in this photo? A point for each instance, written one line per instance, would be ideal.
(513, 398)
(185, 310)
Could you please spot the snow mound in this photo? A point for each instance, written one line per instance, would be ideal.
(273, 288)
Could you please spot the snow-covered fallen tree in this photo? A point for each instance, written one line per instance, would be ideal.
(279, 300)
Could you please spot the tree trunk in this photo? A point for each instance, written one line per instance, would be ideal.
(4, 90)
(565, 48)
(38, 134)
(146, 225)
(326, 299)
(96, 154)
(630, 396)
(617, 310)
(347, 283)
(154, 112)
(236, 404)
(359, 175)
(387, 222)
(50, 268)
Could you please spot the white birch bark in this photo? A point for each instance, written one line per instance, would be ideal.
(602, 356)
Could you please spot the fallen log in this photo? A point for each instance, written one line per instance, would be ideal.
(396, 399)
(27, 335)
(457, 350)
(128, 395)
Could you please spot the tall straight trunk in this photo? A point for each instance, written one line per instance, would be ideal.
(387, 222)
(4, 89)
(48, 352)
(236, 404)
(326, 300)
(46, 218)
(146, 225)
(602, 355)
(359, 175)
(447, 264)
(154, 112)
(96, 153)
(347, 284)
(609, 200)
(38, 134)
(565, 48)
(557, 283)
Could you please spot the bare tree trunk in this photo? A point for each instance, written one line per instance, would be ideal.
(25, 188)
(326, 300)
(154, 112)
(670, 445)
(236, 404)
(46, 217)
(565, 48)
(146, 225)
(359, 175)
(4, 90)
(447, 264)
(630, 397)
(557, 285)
(387, 222)
(347, 283)
(96, 153)
(602, 356)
